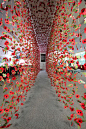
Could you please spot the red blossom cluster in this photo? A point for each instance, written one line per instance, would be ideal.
(62, 40)
(26, 42)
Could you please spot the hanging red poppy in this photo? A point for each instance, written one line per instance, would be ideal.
(16, 115)
(7, 47)
(8, 74)
(8, 80)
(79, 112)
(5, 27)
(84, 41)
(85, 30)
(85, 95)
(6, 21)
(77, 96)
(11, 92)
(85, 66)
(1, 78)
(9, 118)
(6, 96)
(6, 43)
(82, 105)
(1, 70)
(1, 111)
(72, 109)
(13, 78)
(83, 11)
(1, 22)
(80, 120)
(72, 115)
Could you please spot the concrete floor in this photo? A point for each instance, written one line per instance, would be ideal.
(41, 109)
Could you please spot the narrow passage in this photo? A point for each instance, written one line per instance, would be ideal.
(42, 109)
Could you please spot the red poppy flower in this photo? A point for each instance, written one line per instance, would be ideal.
(85, 30)
(8, 30)
(11, 11)
(1, 111)
(75, 119)
(1, 22)
(6, 21)
(84, 41)
(5, 27)
(6, 96)
(77, 96)
(8, 80)
(9, 118)
(63, 7)
(83, 11)
(85, 95)
(22, 104)
(62, 14)
(14, 78)
(85, 66)
(8, 125)
(82, 105)
(14, 7)
(85, 56)
(65, 107)
(6, 8)
(16, 115)
(13, 53)
(11, 93)
(1, 78)
(79, 112)
(1, 70)
(80, 120)
(6, 88)
(8, 74)
(13, 72)
(7, 47)
(72, 115)
(6, 43)
(72, 109)
(18, 26)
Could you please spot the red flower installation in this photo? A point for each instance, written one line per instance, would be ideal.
(60, 32)
(61, 41)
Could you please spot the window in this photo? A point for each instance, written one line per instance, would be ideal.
(43, 57)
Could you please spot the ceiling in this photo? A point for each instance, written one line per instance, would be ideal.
(42, 14)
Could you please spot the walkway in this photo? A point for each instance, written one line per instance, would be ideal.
(41, 109)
